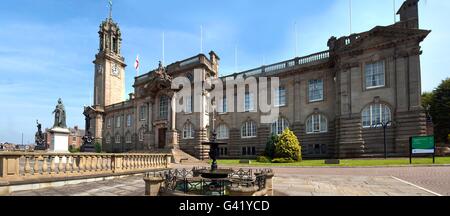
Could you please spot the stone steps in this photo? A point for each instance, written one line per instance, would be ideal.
(183, 157)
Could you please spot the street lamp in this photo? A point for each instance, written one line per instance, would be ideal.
(385, 125)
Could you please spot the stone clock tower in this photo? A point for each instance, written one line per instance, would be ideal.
(109, 87)
(109, 74)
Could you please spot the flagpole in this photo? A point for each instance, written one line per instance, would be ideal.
(201, 39)
(163, 48)
(235, 59)
(350, 15)
(296, 39)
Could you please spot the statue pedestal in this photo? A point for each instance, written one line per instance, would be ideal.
(60, 140)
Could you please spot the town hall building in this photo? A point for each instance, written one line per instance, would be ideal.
(333, 100)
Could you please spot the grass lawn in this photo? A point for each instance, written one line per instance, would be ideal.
(349, 162)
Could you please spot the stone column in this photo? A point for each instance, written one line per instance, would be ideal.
(172, 134)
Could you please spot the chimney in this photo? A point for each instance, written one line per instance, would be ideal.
(131, 96)
(409, 13)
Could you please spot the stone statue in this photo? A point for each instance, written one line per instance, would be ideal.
(88, 139)
(39, 138)
(60, 115)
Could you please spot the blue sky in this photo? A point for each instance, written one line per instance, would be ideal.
(47, 46)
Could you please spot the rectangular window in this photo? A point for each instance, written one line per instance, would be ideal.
(142, 113)
(129, 119)
(244, 151)
(224, 151)
(74, 139)
(163, 107)
(249, 104)
(375, 75)
(188, 108)
(224, 105)
(280, 97)
(109, 123)
(118, 121)
(315, 90)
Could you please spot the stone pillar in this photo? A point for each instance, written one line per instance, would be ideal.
(9, 166)
(60, 140)
(149, 116)
(269, 184)
(172, 134)
(152, 185)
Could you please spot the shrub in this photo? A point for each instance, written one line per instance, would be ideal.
(270, 146)
(98, 147)
(288, 146)
(263, 159)
(73, 149)
(283, 160)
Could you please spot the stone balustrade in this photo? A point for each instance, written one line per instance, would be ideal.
(22, 166)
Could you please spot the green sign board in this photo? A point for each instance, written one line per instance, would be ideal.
(422, 145)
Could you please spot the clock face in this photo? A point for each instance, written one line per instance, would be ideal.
(114, 70)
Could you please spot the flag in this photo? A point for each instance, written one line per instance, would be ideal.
(136, 63)
(110, 3)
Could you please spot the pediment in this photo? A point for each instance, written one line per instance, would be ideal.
(381, 36)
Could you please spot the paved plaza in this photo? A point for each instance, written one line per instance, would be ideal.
(395, 181)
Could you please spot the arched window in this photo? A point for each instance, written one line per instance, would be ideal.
(163, 107)
(375, 114)
(117, 138)
(222, 132)
(128, 137)
(316, 123)
(188, 131)
(141, 135)
(248, 129)
(108, 139)
(279, 126)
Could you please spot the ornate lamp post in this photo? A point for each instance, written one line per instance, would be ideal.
(385, 125)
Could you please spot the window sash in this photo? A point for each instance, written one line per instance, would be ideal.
(163, 107)
(375, 75)
(248, 130)
(129, 120)
(316, 124)
(249, 105)
(315, 90)
(188, 105)
(222, 132)
(224, 105)
(279, 126)
(142, 113)
(118, 121)
(376, 114)
(280, 97)
(188, 131)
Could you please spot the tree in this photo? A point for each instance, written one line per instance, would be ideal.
(427, 98)
(270, 146)
(288, 146)
(440, 111)
(98, 147)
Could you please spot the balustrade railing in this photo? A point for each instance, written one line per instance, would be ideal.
(23, 166)
(288, 64)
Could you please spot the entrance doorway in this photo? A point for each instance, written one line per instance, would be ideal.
(162, 138)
